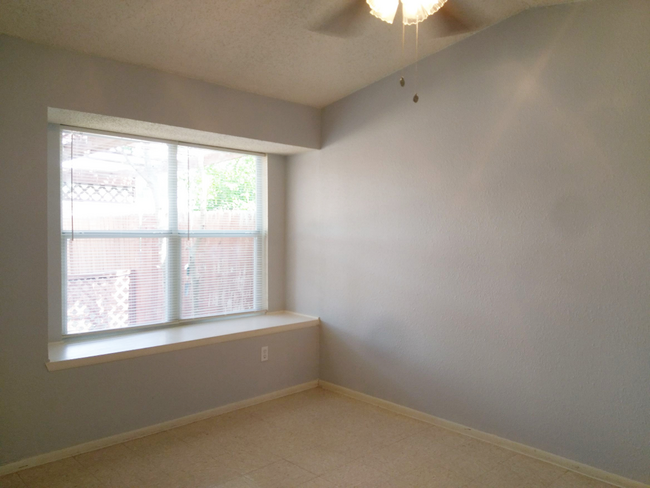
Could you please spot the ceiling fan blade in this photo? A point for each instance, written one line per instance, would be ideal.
(348, 21)
(450, 21)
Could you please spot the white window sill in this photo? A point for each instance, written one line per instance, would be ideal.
(85, 351)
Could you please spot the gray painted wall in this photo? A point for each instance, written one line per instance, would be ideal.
(484, 255)
(42, 411)
(276, 178)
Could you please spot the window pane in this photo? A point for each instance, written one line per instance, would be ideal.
(217, 275)
(217, 189)
(115, 283)
(113, 183)
(117, 187)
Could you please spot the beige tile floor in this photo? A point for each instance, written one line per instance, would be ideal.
(313, 439)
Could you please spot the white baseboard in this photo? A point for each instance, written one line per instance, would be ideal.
(152, 429)
(580, 468)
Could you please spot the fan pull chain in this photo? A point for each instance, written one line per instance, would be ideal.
(72, 187)
(417, 42)
(401, 80)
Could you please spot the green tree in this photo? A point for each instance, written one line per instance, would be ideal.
(232, 185)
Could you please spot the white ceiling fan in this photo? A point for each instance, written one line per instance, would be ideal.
(351, 19)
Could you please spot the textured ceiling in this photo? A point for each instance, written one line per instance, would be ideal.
(258, 46)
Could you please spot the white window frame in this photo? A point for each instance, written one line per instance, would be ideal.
(57, 241)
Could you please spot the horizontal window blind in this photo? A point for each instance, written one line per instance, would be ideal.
(158, 232)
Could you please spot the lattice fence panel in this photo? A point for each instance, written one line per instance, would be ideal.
(100, 301)
(88, 192)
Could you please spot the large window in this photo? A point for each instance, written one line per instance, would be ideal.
(157, 232)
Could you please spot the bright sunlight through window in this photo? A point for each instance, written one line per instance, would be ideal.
(158, 232)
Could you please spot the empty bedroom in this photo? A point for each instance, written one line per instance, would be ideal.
(325, 243)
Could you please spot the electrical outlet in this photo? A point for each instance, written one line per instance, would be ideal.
(265, 353)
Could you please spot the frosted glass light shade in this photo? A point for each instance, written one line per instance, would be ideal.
(384, 9)
(413, 11)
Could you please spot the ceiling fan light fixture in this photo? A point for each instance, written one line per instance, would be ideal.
(384, 9)
(414, 11)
